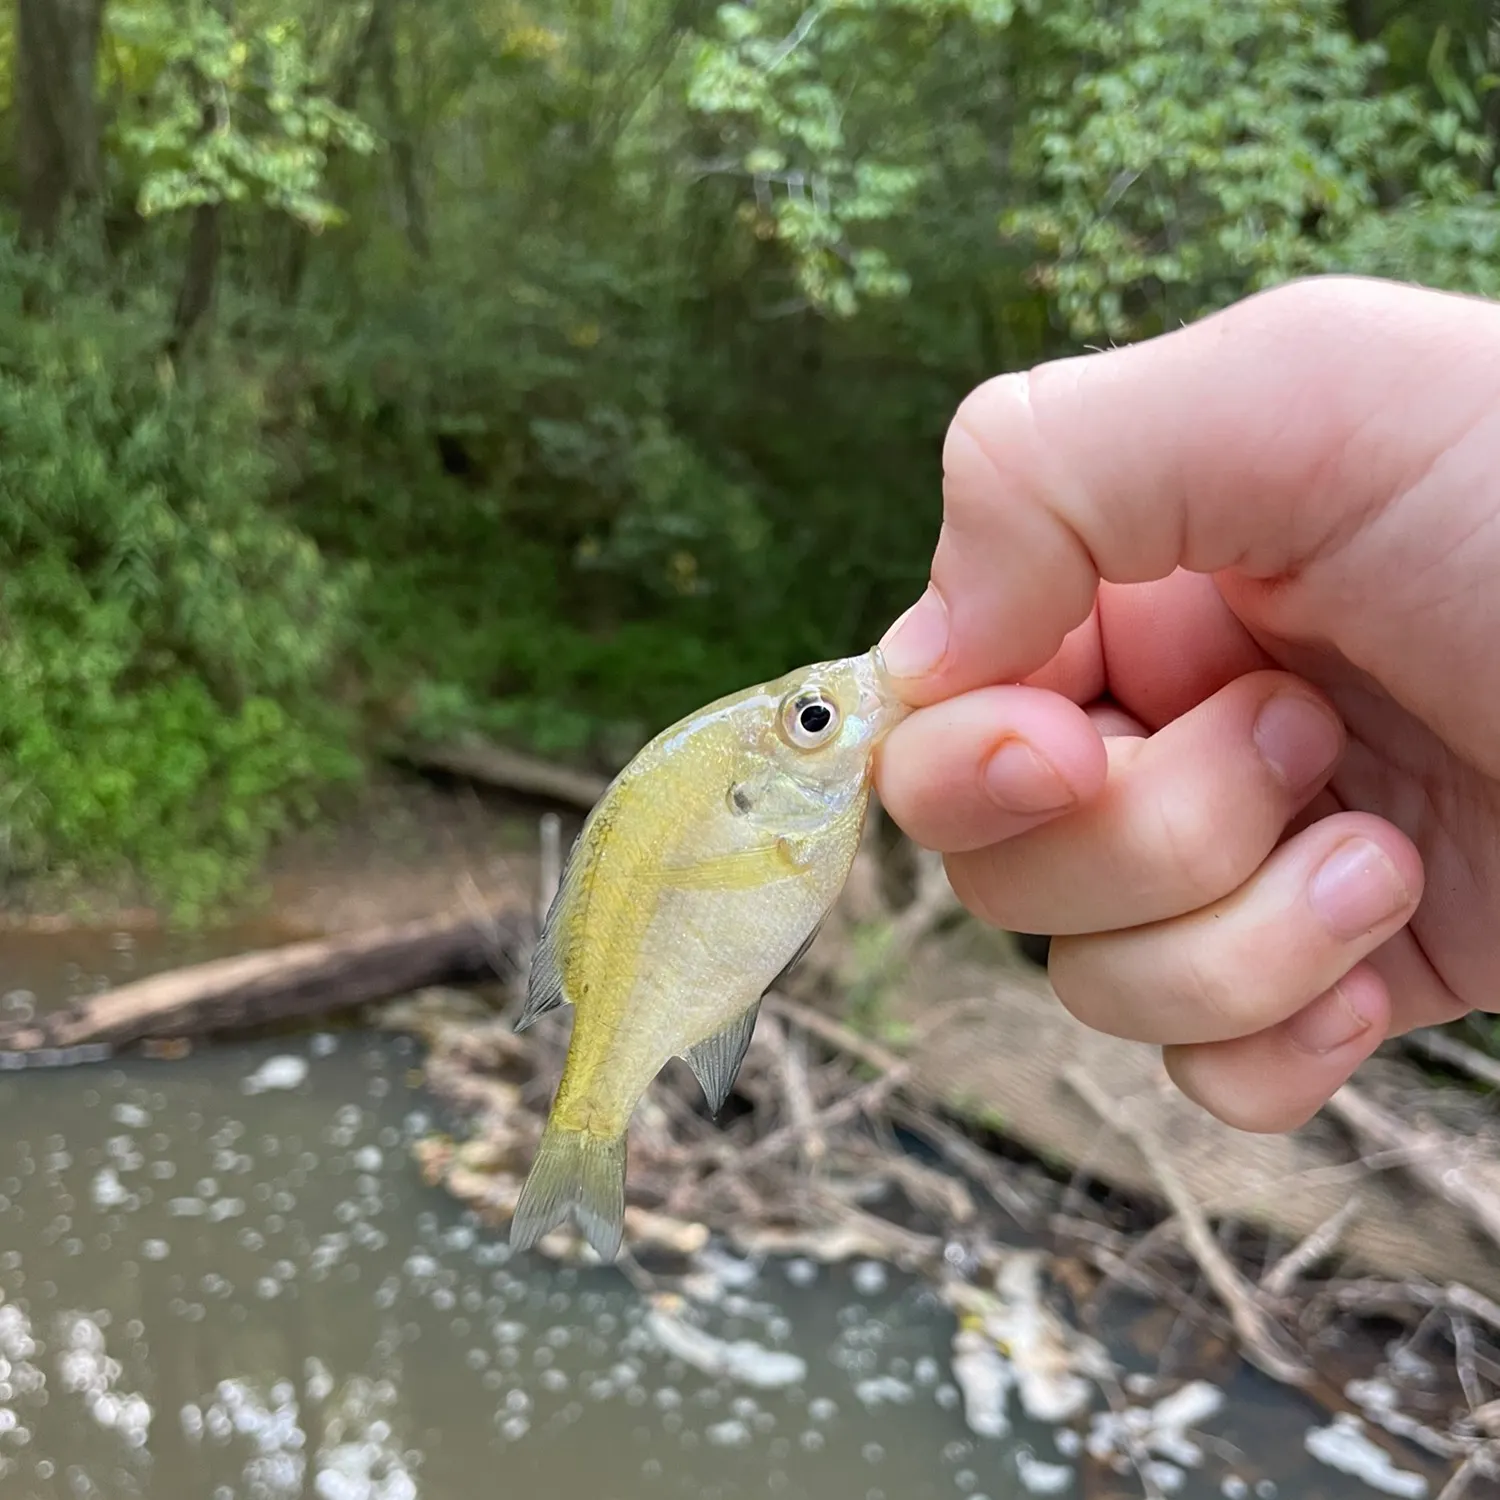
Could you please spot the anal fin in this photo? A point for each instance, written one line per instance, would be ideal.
(799, 955)
(716, 1060)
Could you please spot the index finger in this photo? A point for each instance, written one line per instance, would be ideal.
(1253, 440)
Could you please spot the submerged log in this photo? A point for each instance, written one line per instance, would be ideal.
(281, 984)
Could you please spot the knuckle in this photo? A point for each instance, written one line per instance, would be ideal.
(1083, 985)
(1200, 859)
(1217, 988)
(978, 885)
(990, 421)
(1305, 300)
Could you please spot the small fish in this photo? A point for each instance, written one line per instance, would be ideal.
(700, 877)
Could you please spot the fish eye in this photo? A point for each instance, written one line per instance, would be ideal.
(809, 720)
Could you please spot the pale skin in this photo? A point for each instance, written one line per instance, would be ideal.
(1250, 779)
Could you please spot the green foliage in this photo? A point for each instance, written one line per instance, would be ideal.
(165, 638)
(1187, 153)
(617, 377)
(821, 107)
(226, 112)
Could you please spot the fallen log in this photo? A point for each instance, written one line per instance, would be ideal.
(280, 984)
(481, 760)
(1003, 1068)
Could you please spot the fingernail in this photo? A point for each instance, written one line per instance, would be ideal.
(1022, 781)
(1331, 1021)
(1297, 738)
(1357, 888)
(915, 644)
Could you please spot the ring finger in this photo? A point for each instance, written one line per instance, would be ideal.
(1322, 902)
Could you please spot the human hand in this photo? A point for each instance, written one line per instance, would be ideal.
(1250, 782)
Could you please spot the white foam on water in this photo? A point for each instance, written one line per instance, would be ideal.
(1343, 1445)
(283, 1072)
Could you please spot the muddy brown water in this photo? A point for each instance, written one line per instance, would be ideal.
(213, 1291)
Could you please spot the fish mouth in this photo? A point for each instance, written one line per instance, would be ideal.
(880, 704)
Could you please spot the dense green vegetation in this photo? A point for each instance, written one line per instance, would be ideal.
(550, 366)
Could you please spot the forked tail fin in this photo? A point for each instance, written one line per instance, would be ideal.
(574, 1171)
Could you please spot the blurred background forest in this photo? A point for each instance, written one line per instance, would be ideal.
(547, 367)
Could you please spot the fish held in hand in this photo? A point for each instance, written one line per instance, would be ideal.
(702, 874)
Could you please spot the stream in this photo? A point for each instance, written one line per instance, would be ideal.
(223, 1278)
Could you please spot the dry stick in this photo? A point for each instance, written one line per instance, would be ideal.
(550, 832)
(485, 919)
(907, 1245)
(480, 760)
(835, 1033)
(1434, 1158)
(1450, 1050)
(1257, 1333)
(791, 1070)
(1475, 1466)
(1317, 1246)
(1135, 1450)
(1158, 1237)
(1463, 1360)
(958, 1151)
(934, 900)
(294, 981)
(1371, 1294)
(868, 1097)
(939, 1193)
(1102, 1248)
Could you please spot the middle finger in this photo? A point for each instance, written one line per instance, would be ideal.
(1185, 817)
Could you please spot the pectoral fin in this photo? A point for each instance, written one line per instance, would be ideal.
(716, 1060)
(743, 870)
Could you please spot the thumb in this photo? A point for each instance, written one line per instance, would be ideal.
(1262, 440)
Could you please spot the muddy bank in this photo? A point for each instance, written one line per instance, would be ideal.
(406, 848)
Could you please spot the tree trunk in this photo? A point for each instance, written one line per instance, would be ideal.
(403, 151)
(200, 273)
(199, 276)
(1362, 20)
(346, 96)
(57, 119)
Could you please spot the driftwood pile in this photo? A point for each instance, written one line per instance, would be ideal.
(830, 1152)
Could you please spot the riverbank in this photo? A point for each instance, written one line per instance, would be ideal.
(402, 848)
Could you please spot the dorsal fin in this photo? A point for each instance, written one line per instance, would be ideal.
(544, 985)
